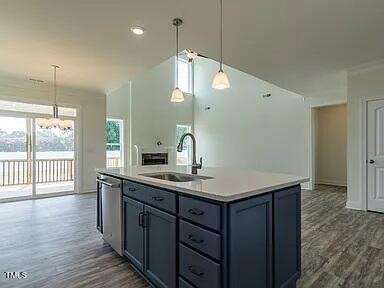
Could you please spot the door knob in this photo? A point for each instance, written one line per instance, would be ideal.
(372, 162)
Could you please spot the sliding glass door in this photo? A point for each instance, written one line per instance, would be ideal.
(55, 160)
(35, 161)
(15, 157)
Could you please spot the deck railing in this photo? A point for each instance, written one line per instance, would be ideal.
(113, 162)
(18, 172)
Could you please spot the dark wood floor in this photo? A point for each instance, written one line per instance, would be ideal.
(55, 241)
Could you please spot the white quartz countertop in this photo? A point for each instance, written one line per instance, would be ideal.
(226, 185)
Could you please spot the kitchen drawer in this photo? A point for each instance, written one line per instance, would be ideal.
(201, 239)
(184, 284)
(199, 270)
(201, 212)
(150, 195)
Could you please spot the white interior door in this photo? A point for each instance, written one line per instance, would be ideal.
(375, 155)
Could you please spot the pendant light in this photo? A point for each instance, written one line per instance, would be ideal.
(221, 81)
(54, 121)
(177, 94)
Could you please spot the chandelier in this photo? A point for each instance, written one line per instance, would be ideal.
(54, 121)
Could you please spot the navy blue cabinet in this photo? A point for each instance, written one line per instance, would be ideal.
(133, 212)
(287, 237)
(160, 247)
(150, 242)
(99, 212)
(250, 242)
(179, 240)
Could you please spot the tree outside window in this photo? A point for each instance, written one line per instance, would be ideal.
(114, 142)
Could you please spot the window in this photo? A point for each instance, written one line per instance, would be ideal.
(183, 157)
(114, 143)
(185, 75)
(35, 108)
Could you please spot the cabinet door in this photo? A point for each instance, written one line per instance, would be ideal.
(287, 236)
(250, 243)
(133, 231)
(99, 211)
(160, 247)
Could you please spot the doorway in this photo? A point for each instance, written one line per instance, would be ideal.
(330, 145)
(34, 162)
(375, 155)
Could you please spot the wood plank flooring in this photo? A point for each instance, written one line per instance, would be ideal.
(340, 247)
(55, 241)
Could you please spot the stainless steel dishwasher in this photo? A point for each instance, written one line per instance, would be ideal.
(111, 211)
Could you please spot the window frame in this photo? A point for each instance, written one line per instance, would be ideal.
(182, 58)
(121, 143)
(189, 161)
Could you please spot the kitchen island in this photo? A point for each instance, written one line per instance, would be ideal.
(223, 228)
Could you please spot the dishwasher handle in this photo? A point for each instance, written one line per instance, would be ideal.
(112, 185)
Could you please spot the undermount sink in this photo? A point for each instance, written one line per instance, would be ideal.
(176, 177)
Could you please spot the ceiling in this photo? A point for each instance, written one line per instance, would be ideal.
(289, 43)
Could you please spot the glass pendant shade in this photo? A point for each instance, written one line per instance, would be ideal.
(42, 123)
(177, 95)
(220, 81)
(66, 125)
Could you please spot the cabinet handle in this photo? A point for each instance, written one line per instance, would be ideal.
(145, 220)
(141, 222)
(195, 211)
(131, 189)
(194, 270)
(194, 239)
(158, 198)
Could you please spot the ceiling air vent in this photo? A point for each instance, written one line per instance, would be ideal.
(36, 80)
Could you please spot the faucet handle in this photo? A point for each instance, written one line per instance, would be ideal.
(201, 162)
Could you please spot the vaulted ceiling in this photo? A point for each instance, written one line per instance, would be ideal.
(288, 43)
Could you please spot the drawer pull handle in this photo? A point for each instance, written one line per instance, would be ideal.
(193, 269)
(195, 211)
(158, 198)
(194, 239)
(131, 189)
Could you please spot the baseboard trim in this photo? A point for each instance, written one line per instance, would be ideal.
(88, 191)
(332, 183)
(306, 186)
(355, 205)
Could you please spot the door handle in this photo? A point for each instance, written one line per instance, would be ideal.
(372, 161)
(112, 185)
(141, 222)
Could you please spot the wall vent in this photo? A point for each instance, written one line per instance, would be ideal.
(36, 80)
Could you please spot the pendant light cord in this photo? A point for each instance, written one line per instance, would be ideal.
(177, 56)
(54, 85)
(221, 35)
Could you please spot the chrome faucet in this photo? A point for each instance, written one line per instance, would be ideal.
(195, 165)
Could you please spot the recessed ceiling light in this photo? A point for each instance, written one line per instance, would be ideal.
(137, 30)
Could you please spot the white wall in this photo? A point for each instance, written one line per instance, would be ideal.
(152, 114)
(92, 118)
(241, 129)
(362, 85)
(331, 144)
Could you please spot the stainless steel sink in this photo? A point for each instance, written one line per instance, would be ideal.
(176, 177)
